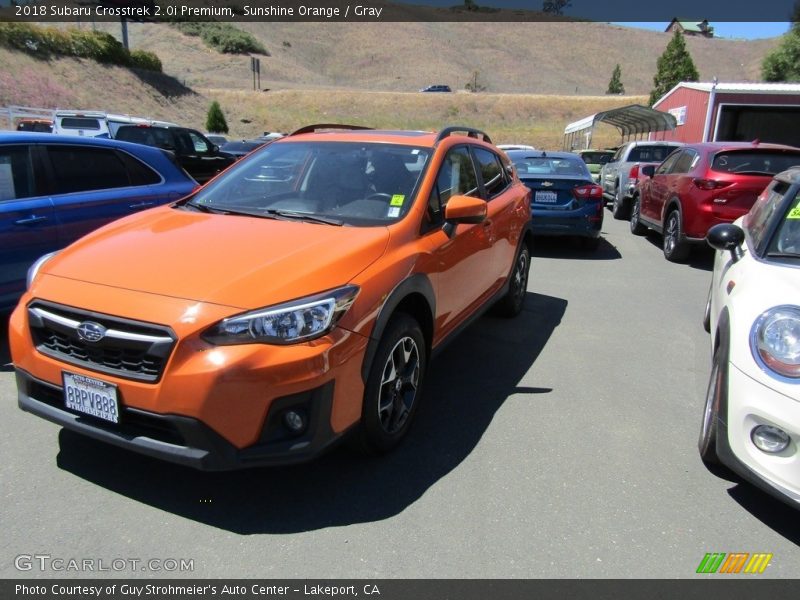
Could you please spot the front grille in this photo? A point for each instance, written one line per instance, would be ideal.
(128, 349)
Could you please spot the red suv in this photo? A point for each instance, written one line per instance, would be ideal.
(700, 185)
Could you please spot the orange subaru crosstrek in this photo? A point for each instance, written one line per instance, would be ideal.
(296, 298)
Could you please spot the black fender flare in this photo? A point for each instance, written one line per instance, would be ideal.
(420, 284)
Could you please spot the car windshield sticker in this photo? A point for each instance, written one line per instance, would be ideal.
(397, 200)
(795, 212)
(7, 183)
(394, 211)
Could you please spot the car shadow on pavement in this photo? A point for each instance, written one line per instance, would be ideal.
(701, 256)
(572, 248)
(466, 385)
(776, 515)
(5, 352)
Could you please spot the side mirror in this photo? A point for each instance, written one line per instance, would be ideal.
(649, 170)
(727, 237)
(465, 209)
(213, 150)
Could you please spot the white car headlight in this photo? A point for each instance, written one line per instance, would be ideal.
(33, 270)
(297, 321)
(775, 340)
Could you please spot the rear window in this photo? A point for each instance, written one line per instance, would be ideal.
(751, 162)
(550, 166)
(36, 126)
(596, 158)
(650, 153)
(149, 136)
(79, 123)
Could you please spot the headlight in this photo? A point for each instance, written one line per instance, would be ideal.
(297, 321)
(775, 340)
(34, 268)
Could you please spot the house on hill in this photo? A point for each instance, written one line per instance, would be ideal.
(691, 28)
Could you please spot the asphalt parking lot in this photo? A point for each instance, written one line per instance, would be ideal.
(558, 444)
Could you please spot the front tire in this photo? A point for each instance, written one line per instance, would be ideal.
(676, 249)
(394, 385)
(707, 442)
(510, 305)
(637, 228)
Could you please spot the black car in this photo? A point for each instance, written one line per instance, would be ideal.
(194, 152)
(436, 88)
(242, 147)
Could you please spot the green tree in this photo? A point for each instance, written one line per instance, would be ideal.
(215, 121)
(674, 66)
(783, 63)
(615, 85)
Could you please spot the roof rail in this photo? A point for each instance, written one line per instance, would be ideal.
(321, 126)
(473, 133)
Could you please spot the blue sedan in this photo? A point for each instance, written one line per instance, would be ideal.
(56, 188)
(565, 199)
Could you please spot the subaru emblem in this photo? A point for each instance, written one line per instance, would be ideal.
(89, 331)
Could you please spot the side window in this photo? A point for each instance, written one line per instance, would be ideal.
(16, 173)
(82, 169)
(666, 166)
(492, 172)
(199, 143)
(138, 172)
(456, 176)
(684, 162)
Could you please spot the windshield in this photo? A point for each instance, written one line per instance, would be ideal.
(650, 153)
(754, 162)
(352, 183)
(786, 241)
(596, 158)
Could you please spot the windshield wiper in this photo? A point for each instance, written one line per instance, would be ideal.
(782, 255)
(205, 208)
(288, 214)
(753, 173)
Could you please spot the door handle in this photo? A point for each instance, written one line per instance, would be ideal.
(142, 205)
(32, 220)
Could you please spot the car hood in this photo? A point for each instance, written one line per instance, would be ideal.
(237, 261)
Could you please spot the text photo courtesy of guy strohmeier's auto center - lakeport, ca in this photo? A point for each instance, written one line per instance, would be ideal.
(238, 239)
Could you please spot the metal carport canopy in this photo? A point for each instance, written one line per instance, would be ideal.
(630, 120)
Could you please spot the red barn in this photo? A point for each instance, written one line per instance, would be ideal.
(727, 112)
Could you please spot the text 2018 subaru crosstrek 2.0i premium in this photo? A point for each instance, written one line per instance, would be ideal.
(296, 298)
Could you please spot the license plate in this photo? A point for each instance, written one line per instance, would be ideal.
(91, 396)
(546, 197)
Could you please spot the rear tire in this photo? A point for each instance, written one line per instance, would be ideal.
(636, 225)
(510, 305)
(619, 208)
(676, 248)
(393, 388)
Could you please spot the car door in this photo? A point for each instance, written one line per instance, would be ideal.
(461, 254)
(204, 155)
(608, 173)
(502, 220)
(28, 227)
(92, 186)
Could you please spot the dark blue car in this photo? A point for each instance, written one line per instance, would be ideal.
(565, 200)
(56, 188)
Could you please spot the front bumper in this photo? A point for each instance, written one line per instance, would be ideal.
(185, 440)
(750, 403)
(585, 221)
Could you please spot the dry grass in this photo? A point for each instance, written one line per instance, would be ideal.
(508, 118)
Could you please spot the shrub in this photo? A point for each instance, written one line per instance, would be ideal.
(215, 121)
(142, 59)
(222, 37)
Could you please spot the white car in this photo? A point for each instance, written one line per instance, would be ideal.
(751, 421)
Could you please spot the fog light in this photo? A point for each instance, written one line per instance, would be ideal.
(294, 421)
(770, 439)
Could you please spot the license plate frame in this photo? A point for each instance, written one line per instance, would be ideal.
(545, 197)
(91, 396)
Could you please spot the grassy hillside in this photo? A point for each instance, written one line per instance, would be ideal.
(538, 76)
(538, 58)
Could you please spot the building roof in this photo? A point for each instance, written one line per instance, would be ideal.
(736, 88)
(630, 120)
